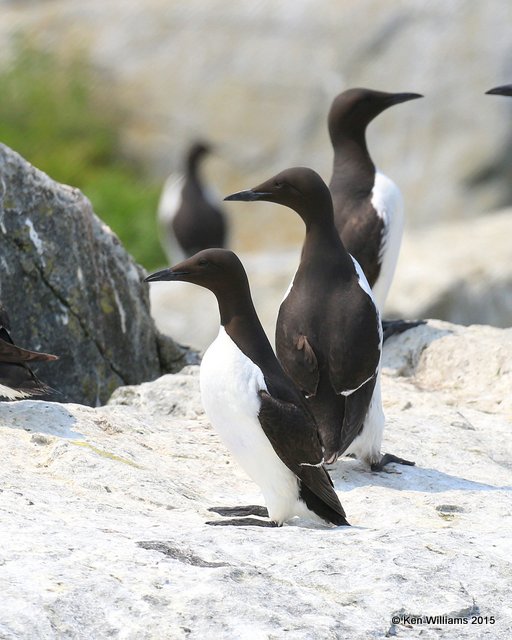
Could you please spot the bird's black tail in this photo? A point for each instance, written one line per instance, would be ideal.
(327, 505)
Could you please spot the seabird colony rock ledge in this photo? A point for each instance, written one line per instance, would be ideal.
(103, 532)
(70, 288)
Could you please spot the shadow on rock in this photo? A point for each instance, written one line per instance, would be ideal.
(350, 474)
(50, 418)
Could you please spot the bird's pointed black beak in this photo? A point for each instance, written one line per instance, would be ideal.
(248, 195)
(397, 98)
(504, 90)
(166, 274)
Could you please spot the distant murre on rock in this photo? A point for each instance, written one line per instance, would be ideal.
(328, 333)
(368, 206)
(189, 215)
(257, 410)
(17, 380)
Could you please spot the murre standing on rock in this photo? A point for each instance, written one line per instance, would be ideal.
(258, 412)
(328, 333)
(17, 380)
(189, 215)
(368, 206)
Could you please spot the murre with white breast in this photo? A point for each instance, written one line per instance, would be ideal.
(256, 409)
(328, 333)
(189, 215)
(368, 206)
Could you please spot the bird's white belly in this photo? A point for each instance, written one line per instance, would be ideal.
(230, 383)
(366, 446)
(387, 201)
(12, 394)
(170, 202)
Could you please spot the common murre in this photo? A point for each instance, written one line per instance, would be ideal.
(189, 215)
(328, 333)
(368, 206)
(258, 412)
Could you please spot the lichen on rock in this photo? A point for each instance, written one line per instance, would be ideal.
(71, 289)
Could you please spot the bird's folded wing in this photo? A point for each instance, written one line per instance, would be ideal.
(11, 353)
(300, 363)
(356, 408)
(294, 437)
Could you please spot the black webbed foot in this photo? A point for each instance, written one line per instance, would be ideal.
(242, 522)
(248, 510)
(387, 458)
(395, 327)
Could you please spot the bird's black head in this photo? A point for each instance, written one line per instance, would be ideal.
(218, 270)
(299, 188)
(504, 90)
(353, 109)
(196, 152)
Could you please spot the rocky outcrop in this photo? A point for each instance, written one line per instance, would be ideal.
(457, 271)
(103, 515)
(71, 289)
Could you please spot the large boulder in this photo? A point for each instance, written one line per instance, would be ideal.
(71, 289)
(458, 271)
(103, 515)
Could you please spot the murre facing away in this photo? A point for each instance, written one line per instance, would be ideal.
(368, 206)
(189, 215)
(328, 333)
(254, 406)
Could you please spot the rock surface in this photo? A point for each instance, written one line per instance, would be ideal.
(71, 289)
(458, 271)
(103, 531)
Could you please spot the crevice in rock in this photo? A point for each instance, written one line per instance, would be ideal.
(186, 557)
(67, 306)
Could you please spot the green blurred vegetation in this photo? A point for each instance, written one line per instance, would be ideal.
(56, 114)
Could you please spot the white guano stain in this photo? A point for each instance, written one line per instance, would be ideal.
(122, 312)
(34, 237)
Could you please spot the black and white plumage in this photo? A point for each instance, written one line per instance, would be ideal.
(257, 410)
(368, 206)
(17, 380)
(190, 216)
(328, 334)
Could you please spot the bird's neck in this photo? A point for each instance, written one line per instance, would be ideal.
(353, 170)
(322, 243)
(240, 321)
(192, 169)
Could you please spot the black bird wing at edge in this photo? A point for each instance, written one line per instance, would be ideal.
(295, 440)
(356, 408)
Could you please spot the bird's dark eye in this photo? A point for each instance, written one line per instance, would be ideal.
(278, 184)
(202, 262)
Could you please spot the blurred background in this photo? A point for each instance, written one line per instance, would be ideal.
(107, 95)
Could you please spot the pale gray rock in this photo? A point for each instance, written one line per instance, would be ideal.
(103, 516)
(71, 289)
(263, 84)
(458, 271)
(471, 366)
